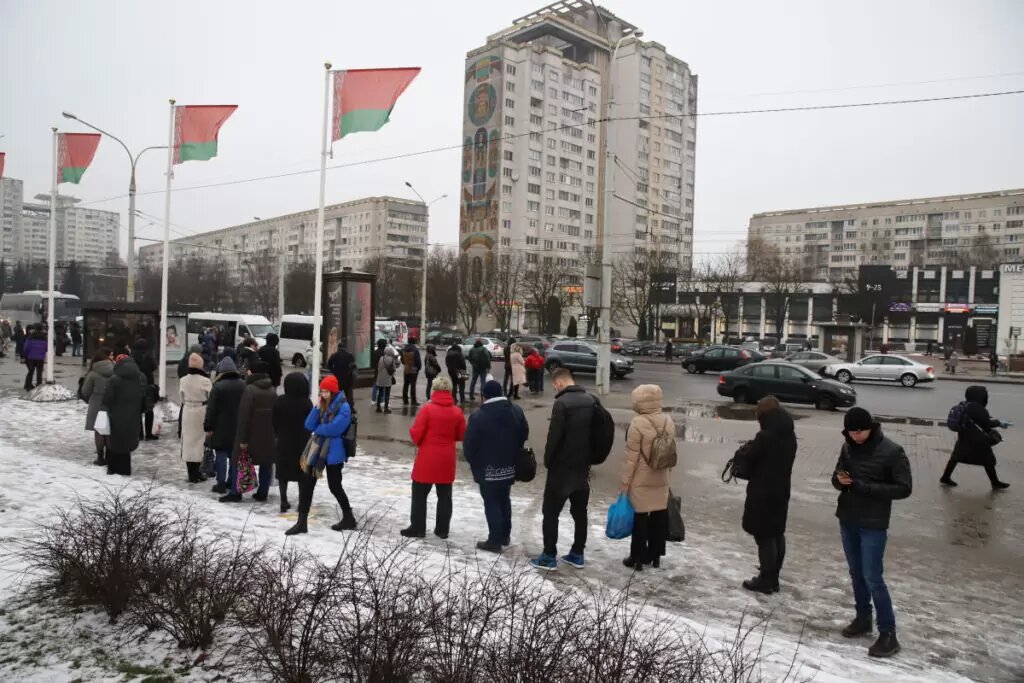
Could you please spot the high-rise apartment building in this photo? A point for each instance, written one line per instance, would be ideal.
(535, 134)
(830, 242)
(354, 233)
(11, 197)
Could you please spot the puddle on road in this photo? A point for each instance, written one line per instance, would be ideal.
(724, 411)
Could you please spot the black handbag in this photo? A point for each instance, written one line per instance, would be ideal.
(207, 467)
(349, 438)
(738, 466)
(676, 526)
(526, 465)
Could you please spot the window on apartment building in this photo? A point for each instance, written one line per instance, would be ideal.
(533, 188)
(534, 171)
(592, 91)
(549, 227)
(1010, 225)
(549, 211)
(508, 155)
(507, 172)
(553, 92)
(589, 202)
(549, 244)
(533, 207)
(590, 170)
(537, 85)
(506, 189)
(532, 241)
(506, 223)
(1012, 252)
(510, 69)
(552, 160)
(536, 120)
(510, 121)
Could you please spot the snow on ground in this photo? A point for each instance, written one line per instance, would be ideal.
(44, 455)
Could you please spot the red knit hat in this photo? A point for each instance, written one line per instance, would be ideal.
(330, 383)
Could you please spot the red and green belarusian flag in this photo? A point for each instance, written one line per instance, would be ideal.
(364, 98)
(74, 154)
(195, 130)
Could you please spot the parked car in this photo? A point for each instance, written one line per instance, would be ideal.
(532, 339)
(882, 367)
(581, 356)
(783, 350)
(719, 358)
(617, 344)
(637, 348)
(443, 338)
(814, 361)
(786, 382)
(495, 346)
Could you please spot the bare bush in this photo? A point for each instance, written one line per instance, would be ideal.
(193, 582)
(98, 552)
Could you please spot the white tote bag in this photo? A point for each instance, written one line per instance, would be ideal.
(102, 424)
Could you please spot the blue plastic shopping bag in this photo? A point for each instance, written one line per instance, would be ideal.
(620, 518)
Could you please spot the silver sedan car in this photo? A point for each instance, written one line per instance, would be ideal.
(882, 367)
(814, 361)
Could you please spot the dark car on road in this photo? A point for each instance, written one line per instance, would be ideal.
(580, 356)
(719, 358)
(786, 382)
(637, 348)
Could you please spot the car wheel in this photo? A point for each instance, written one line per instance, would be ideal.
(739, 396)
(844, 376)
(825, 402)
(299, 361)
(691, 368)
(908, 380)
(553, 365)
(618, 375)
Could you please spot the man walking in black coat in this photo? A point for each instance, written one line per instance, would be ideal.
(272, 357)
(147, 366)
(342, 365)
(506, 381)
(872, 471)
(567, 459)
(494, 437)
(974, 441)
(412, 363)
(122, 399)
(221, 420)
(768, 460)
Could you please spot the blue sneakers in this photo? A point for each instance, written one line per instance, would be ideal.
(575, 559)
(545, 562)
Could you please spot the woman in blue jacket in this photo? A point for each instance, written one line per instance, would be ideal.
(327, 421)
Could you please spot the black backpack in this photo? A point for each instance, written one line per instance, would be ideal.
(602, 433)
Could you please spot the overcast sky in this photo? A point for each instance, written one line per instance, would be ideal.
(115, 64)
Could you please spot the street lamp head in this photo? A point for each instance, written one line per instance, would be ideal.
(408, 184)
(638, 33)
(68, 115)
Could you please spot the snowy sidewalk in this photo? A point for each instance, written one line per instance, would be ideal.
(955, 625)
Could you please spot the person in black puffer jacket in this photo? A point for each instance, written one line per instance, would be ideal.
(272, 357)
(769, 459)
(147, 366)
(221, 420)
(973, 444)
(289, 419)
(872, 471)
(455, 362)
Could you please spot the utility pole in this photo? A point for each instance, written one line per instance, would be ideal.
(423, 281)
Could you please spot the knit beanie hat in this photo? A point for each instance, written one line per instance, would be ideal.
(492, 390)
(858, 419)
(195, 361)
(330, 383)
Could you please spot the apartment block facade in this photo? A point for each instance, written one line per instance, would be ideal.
(535, 135)
(11, 199)
(354, 233)
(960, 231)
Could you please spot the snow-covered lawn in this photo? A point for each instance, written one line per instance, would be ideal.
(44, 456)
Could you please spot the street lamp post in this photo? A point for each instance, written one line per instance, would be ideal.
(423, 283)
(604, 347)
(134, 159)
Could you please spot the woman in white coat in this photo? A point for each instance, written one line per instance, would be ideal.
(194, 389)
(518, 370)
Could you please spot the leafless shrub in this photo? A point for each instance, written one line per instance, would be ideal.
(97, 552)
(193, 582)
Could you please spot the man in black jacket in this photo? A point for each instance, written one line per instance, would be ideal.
(342, 365)
(221, 421)
(272, 357)
(147, 366)
(412, 363)
(872, 471)
(567, 459)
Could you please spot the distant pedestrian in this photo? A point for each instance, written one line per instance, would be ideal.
(455, 362)
(567, 460)
(646, 485)
(183, 363)
(19, 339)
(246, 353)
(123, 400)
(975, 440)
(327, 422)
(194, 392)
(495, 435)
(872, 471)
(480, 361)
(289, 418)
(431, 367)
(518, 370)
(93, 387)
(768, 460)
(342, 364)
(954, 360)
(221, 422)
(34, 352)
(668, 349)
(993, 362)
(928, 348)
(255, 432)
(506, 381)
(387, 366)
(147, 366)
(76, 339)
(539, 347)
(375, 356)
(412, 363)
(534, 369)
(270, 355)
(438, 426)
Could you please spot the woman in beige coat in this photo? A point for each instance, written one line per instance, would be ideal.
(518, 370)
(194, 389)
(647, 488)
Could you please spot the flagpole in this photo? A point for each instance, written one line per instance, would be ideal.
(51, 329)
(167, 256)
(318, 282)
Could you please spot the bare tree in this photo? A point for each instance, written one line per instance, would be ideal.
(299, 285)
(505, 288)
(782, 280)
(442, 286)
(261, 271)
(715, 280)
(470, 299)
(544, 287)
(632, 278)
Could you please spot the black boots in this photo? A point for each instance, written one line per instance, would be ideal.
(347, 522)
(488, 547)
(300, 525)
(101, 458)
(762, 584)
(282, 487)
(409, 532)
(946, 481)
(860, 626)
(633, 564)
(885, 646)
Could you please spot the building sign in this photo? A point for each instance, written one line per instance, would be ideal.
(663, 288)
(986, 309)
(899, 307)
(1013, 267)
(574, 289)
(957, 308)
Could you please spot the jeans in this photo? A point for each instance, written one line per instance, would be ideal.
(506, 381)
(864, 550)
(498, 510)
(418, 513)
(477, 375)
(430, 382)
(265, 476)
(226, 476)
(307, 484)
(383, 397)
(554, 502)
(650, 532)
(459, 386)
(409, 387)
(37, 367)
(373, 393)
(771, 551)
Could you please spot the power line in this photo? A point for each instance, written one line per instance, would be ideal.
(736, 112)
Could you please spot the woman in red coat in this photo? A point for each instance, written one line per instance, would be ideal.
(438, 425)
